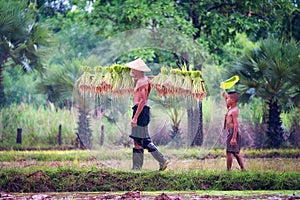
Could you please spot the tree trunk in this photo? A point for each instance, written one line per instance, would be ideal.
(198, 139)
(195, 130)
(197, 22)
(274, 131)
(2, 94)
(3, 58)
(190, 130)
(84, 131)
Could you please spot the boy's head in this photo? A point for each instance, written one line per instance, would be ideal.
(234, 96)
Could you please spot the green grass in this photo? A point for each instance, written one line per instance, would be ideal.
(65, 179)
(125, 153)
(121, 159)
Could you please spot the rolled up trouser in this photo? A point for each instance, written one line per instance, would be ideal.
(157, 155)
(137, 159)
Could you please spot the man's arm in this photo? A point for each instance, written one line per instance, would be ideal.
(143, 97)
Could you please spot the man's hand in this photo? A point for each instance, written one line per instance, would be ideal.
(133, 122)
(233, 142)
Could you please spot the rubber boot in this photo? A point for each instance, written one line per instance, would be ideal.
(137, 159)
(163, 163)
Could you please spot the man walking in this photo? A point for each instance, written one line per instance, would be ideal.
(141, 117)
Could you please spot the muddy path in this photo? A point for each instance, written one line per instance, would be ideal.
(137, 195)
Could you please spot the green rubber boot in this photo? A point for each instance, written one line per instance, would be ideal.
(137, 159)
(163, 163)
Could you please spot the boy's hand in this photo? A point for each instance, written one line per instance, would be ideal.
(224, 94)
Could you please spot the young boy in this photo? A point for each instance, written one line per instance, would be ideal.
(233, 143)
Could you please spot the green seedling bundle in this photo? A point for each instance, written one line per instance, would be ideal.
(179, 83)
(116, 79)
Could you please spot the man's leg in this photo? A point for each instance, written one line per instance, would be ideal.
(137, 157)
(229, 161)
(157, 155)
(240, 161)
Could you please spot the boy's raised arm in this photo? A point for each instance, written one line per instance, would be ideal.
(224, 95)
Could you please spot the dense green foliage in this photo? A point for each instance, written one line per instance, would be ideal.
(21, 38)
(270, 72)
(224, 29)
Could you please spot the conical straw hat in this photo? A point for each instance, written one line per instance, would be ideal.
(139, 65)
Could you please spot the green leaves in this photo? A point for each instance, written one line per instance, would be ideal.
(270, 69)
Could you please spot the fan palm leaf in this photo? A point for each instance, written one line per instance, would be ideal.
(21, 38)
(271, 72)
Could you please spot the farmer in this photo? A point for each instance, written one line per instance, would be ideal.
(233, 143)
(141, 117)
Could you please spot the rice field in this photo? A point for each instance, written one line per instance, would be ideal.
(191, 159)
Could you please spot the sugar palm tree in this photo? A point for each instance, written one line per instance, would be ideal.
(58, 84)
(271, 72)
(21, 37)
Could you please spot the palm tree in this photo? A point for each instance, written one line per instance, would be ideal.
(58, 84)
(271, 72)
(21, 37)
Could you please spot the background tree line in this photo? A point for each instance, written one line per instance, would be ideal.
(51, 39)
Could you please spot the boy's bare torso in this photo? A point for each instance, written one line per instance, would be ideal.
(229, 117)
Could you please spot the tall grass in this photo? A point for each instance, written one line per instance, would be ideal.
(39, 125)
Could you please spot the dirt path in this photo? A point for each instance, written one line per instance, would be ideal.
(140, 196)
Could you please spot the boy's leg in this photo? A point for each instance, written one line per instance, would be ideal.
(240, 161)
(229, 160)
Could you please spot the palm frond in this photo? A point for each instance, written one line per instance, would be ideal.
(271, 70)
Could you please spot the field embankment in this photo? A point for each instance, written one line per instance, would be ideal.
(93, 179)
(67, 171)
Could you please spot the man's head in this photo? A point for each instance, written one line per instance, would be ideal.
(136, 74)
(138, 65)
(232, 98)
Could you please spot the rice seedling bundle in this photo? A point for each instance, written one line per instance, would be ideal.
(117, 77)
(159, 82)
(179, 83)
(187, 84)
(96, 83)
(84, 82)
(123, 82)
(170, 83)
(127, 84)
(117, 80)
(107, 82)
(198, 90)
